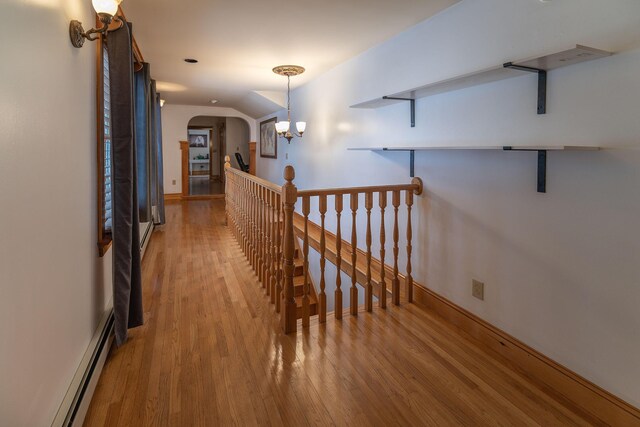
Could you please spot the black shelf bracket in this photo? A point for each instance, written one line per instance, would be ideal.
(413, 108)
(542, 84)
(542, 166)
(412, 161)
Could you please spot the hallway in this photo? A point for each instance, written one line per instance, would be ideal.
(212, 353)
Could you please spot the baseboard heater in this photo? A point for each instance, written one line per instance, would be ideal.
(75, 405)
(76, 402)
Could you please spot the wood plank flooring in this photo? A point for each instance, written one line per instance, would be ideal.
(211, 353)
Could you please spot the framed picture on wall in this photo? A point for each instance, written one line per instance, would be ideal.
(269, 139)
(198, 140)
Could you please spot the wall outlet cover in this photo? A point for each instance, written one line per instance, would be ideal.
(477, 289)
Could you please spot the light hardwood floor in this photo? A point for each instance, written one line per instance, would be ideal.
(211, 353)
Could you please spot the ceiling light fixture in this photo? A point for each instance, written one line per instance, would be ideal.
(106, 10)
(213, 101)
(282, 127)
(190, 61)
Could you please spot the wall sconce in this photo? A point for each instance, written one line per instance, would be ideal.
(106, 10)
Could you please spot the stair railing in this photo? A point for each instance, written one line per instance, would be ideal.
(261, 216)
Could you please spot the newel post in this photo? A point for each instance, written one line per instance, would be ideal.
(289, 195)
(227, 187)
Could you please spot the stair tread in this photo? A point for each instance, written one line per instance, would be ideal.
(361, 264)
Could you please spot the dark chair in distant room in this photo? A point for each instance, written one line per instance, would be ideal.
(243, 166)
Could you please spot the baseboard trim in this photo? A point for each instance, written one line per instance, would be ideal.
(172, 197)
(552, 376)
(178, 197)
(76, 402)
(204, 197)
(78, 398)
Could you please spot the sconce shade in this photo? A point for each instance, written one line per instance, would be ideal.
(282, 127)
(301, 126)
(110, 7)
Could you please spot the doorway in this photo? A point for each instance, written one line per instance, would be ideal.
(210, 139)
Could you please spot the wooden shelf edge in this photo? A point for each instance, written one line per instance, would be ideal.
(492, 147)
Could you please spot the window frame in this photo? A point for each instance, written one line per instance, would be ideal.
(104, 235)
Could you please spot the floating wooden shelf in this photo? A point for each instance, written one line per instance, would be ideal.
(540, 149)
(484, 147)
(539, 65)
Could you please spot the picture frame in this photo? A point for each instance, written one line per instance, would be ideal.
(269, 139)
(198, 139)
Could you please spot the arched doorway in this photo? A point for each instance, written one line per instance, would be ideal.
(211, 138)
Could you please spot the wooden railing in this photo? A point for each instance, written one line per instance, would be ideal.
(261, 215)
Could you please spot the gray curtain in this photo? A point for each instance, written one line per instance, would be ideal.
(148, 131)
(157, 183)
(144, 139)
(127, 281)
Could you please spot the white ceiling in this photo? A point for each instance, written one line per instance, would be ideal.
(238, 42)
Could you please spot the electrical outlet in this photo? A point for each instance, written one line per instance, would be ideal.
(173, 182)
(477, 289)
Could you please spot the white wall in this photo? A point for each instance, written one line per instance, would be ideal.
(237, 140)
(561, 269)
(175, 119)
(53, 286)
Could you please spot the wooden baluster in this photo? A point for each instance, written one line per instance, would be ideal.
(260, 236)
(368, 290)
(243, 215)
(322, 303)
(306, 310)
(266, 238)
(256, 268)
(395, 282)
(338, 293)
(409, 278)
(279, 234)
(353, 296)
(290, 195)
(267, 233)
(254, 186)
(251, 236)
(249, 215)
(383, 285)
(261, 239)
(272, 263)
(246, 212)
(227, 159)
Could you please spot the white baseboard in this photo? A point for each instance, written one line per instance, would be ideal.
(76, 401)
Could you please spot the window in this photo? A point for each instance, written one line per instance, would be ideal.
(104, 151)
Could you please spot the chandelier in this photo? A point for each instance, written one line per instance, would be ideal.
(283, 127)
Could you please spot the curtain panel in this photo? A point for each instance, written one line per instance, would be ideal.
(127, 281)
(144, 129)
(157, 176)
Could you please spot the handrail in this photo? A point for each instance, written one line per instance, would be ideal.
(415, 186)
(261, 215)
(268, 184)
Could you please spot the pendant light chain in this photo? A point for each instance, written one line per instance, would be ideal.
(283, 128)
(289, 98)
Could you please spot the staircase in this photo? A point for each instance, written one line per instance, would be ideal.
(263, 217)
(298, 285)
(314, 235)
